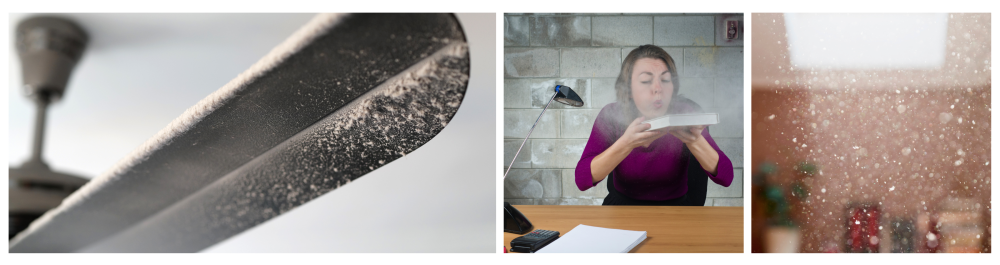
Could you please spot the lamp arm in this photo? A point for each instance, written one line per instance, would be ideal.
(529, 133)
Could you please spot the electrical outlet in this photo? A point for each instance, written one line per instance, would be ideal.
(732, 29)
(729, 30)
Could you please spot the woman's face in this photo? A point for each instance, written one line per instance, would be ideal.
(652, 87)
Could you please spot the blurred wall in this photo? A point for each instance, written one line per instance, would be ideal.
(908, 163)
(585, 51)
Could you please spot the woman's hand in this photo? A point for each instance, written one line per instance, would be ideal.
(636, 135)
(687, 134)
(700, 148)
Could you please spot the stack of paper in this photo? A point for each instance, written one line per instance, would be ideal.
(590, 239)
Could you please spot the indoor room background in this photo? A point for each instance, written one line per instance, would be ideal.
(585, 52)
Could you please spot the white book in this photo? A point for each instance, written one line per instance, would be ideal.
(591, 239)
(683, 120)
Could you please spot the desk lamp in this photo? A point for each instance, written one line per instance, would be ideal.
(513, 220)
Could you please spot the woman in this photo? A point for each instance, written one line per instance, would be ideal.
(649, 167)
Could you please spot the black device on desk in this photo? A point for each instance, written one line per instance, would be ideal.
(533, 241)
(514, 221)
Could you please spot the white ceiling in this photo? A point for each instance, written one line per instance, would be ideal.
(867, 41)
(836, 51)
(139, 72)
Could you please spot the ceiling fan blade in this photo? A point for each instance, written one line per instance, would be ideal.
(345, 95)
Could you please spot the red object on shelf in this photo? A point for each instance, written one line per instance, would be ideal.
(862, 228)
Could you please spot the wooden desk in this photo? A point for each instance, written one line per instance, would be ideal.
(668, 228)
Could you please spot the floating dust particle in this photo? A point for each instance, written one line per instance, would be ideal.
(944, 117)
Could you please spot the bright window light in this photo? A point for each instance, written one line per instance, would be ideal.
(867, 41)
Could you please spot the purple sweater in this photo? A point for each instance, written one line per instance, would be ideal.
(658, 172)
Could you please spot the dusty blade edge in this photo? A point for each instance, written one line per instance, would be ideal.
(246, 197)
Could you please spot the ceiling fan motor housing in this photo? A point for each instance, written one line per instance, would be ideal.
(49, 48)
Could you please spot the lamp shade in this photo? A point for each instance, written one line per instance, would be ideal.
(565, 95)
